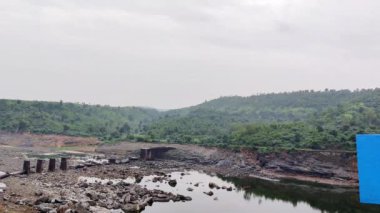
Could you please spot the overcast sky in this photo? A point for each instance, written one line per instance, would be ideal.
(170, 54)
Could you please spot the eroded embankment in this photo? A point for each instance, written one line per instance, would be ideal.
(336, 168)
(328, 167)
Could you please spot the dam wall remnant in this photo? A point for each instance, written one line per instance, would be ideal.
(153, 153)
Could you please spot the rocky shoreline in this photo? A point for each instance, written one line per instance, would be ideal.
(67, 191)
(109, 188)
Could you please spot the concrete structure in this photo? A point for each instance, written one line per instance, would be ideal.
(153, 153)
(40, 166)
(63, 165)
(51, 165)
(26, 167)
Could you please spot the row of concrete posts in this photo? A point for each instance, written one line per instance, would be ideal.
(40, 165)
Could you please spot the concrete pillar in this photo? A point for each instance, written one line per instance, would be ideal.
(51, 165)
(63, 164)
(40, 166)
(112, 161)
(26, 167)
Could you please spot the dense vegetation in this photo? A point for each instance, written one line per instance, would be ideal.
(306, 119)
(299, 120)
(332, 129)
(104, 122)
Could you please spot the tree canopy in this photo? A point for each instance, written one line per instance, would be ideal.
(306, 119)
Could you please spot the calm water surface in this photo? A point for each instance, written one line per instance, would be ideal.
(253, 195)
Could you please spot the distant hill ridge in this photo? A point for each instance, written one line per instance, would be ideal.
(307, 98)
(212, 122)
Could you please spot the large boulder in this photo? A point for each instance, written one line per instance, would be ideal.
(131, 208)
(213, 185)
(172, 183)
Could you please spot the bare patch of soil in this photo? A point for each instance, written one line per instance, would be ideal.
(33, 140)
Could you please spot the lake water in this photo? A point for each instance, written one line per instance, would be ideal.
(254, 195)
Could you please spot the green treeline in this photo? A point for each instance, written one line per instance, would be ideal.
(301, 120)
(298, 120)
(104, 122)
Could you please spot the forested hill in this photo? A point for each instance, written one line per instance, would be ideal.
(283, 106)
(305, 119)
(104, 122)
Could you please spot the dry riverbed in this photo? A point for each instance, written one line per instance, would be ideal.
(90, 185)
(98, 188)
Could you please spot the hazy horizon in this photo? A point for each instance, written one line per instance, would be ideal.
(163, 109)
(166, 54)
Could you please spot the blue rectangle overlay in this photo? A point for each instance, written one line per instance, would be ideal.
(368, 154)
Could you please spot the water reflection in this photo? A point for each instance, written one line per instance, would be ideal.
(222, 201)
(323, 198)
(251, 195)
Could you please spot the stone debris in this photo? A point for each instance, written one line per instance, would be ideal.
(102, 198)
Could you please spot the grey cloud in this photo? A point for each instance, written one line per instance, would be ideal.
(168, 54)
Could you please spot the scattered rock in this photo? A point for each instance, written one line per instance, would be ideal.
(92, 195)
(172, 183)
(210, 193)
(63, 208)
(40, 200)
(213, 185)
(45, 207)
(56, 200)
(91, 202)
(138, 178)
(126, 160)
(98, 209)
(184, 198)
(83, 185)
(79, 166)
(23, 202)
(157, 179)
(131, 208)
(38, 193)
